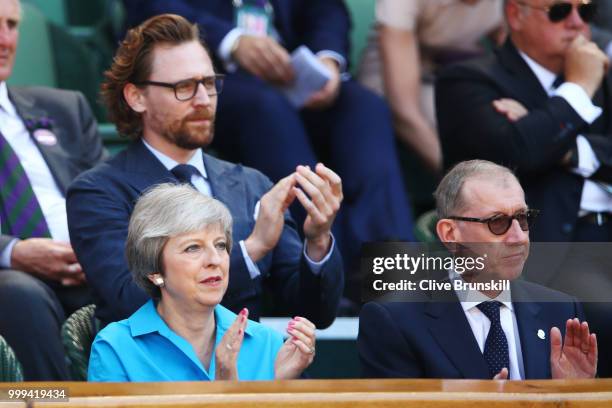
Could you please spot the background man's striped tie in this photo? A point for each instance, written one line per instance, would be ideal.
(21, 213)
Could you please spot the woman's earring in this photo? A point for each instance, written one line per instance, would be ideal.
(159, 281)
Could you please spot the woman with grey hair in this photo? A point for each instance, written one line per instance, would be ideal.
(178, 250)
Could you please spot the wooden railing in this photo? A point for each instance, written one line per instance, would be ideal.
(328, 393)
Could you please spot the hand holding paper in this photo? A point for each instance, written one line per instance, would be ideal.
(311, 76)
(326, 96)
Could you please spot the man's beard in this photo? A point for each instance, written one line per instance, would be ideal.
(188, 138)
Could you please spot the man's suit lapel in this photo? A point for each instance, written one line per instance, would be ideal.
(54, 155)
(225, 184)
(535, 350)
(143, 170)
(528, 86)
(451, 330)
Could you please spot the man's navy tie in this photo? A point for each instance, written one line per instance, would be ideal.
(496, 346)
(183, 173)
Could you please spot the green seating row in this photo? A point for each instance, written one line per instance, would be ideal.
(50, 56)
(67, 44)
(78, 333)
(10, 368)
(74, 13)
(362, 18)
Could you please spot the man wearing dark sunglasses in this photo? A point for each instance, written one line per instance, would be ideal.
(508, 333)
(542, 104)
(560, 10)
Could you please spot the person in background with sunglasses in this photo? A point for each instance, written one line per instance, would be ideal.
(512, 333)
(542, 105)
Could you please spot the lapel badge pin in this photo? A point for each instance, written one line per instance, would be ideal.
(541, 334)
(41, 128)
(45, 137)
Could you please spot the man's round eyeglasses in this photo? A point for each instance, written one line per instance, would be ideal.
(499, 224)
(559, 11)
(187, 88)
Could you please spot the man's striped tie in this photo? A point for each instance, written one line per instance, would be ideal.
(21, 213)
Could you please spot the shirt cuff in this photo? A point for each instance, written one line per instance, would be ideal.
(578, 99)
(315, 267)
(5, 257)
(251, 266)
(335, 56)
(587, 161)
(609, 49)
(225, 49)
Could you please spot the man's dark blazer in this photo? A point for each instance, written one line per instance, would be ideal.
(470, 128)
(78, 148)
(318, 24)
(433, 339)
(99, 205)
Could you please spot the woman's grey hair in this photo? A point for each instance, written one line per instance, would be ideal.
(165, 211)
(449, 199)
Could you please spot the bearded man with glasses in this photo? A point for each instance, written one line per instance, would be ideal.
(542, 105)
(512, 333)
(162, 92)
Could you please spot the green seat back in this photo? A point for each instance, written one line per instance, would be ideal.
(111, 139)
(78, 333)
(76, 67)
(425, 227)
(34, 63)
(362, 17)
(10, 368)
(54, 10)
(86, 13)
(52, 55)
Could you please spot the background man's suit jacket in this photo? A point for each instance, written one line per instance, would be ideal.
(99, 205)
(433, 339)
(470, 128)
(78, 148)
(319, 24)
